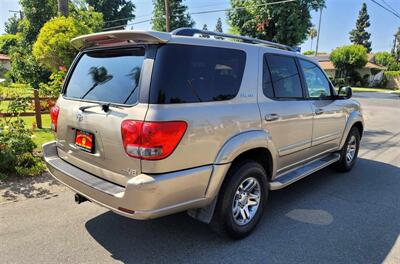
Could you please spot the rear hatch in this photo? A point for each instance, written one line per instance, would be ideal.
(101, 90)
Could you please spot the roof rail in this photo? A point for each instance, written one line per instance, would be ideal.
(190, 32)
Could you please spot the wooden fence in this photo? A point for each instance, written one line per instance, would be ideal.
(37, 111)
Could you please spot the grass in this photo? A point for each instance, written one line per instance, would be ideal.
(42, 135)
(371, 89)
(15, 89)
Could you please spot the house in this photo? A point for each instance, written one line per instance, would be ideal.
(372, 71)
(5, 64)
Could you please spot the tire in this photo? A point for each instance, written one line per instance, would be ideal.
(228, 219)
(352, 141)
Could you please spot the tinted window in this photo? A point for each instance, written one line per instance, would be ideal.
(267, 83)
(188, 74)
(284, 77)
(317, 84)
(107, 76)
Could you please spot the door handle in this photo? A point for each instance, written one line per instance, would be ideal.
(319, 111)
(271, 117)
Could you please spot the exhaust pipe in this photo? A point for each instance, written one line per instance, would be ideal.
(79, 198)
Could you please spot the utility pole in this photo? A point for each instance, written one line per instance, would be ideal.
(63, 7)
(319, 30)
(16, 11)
(167, 23)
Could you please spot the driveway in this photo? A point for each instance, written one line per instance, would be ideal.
(325, 218)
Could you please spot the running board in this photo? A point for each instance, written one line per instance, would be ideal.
(301, 172)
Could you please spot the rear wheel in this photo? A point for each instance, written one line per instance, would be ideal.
(349, 152)
(241, 200)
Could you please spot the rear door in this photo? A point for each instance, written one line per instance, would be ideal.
(329, 114)
(89, 136)
(286, 114)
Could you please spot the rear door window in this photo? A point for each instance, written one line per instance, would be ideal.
(282, 79)
(191, 74)
(107, 76)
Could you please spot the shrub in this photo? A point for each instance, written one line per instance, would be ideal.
(309, 52)
(53, 87)
(16, 144)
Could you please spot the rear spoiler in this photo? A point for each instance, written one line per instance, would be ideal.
(110, 37)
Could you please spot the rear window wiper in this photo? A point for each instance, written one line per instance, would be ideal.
(104, 106)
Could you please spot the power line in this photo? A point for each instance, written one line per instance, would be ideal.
(390, 7)
(207, 12)
(384, 7)
(181, 8)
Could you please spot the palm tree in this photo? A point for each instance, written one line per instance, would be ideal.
(312, 33)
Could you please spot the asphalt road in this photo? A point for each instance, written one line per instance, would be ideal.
(325, 218)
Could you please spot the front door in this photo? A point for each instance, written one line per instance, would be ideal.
(287, 115)
(329, 115)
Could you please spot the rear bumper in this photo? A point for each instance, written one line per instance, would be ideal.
(144, 196)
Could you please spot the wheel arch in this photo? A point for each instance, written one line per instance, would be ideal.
(354, 119)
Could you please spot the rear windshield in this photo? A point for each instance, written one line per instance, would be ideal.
(189, 74)
(107, 76)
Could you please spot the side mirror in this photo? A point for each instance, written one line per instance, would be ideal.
(345, 92)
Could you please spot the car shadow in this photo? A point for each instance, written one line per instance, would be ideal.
(324, 218)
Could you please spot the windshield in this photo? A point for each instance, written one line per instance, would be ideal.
(107, 76)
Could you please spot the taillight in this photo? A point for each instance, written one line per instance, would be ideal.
(151, 140)
(54, 111)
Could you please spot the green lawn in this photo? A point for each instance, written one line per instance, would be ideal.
(371, 89)
(43, 135)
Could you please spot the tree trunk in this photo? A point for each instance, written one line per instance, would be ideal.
(63, 7)
(38, 113)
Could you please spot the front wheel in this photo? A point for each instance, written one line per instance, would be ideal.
(241, 201)
(349, 152)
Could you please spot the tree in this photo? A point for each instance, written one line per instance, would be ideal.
(116, 13)
(218, 27)
(347, 59)
(312, 33)
(89, 17)
(177, 13)
(286, 23)
(53, 48)
(25, 68)
(63, 7)
(387, 60)
(206, 29)
(36, 12)
(359, 35)
(11, 26)
(7, 42)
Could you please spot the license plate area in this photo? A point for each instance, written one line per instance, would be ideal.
(84, 140)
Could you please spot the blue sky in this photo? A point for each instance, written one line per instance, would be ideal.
(337, 20)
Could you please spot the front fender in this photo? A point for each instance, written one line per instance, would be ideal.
(354, 117)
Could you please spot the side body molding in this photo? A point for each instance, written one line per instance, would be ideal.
(354, 117)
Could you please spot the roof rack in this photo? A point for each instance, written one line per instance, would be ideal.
(190, 32)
